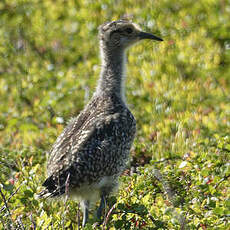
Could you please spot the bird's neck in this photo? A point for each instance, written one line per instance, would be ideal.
(112, 77)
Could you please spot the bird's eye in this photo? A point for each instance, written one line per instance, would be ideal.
(129, 30)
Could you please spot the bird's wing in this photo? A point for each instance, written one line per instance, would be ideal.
(63, 145)
(102, 151)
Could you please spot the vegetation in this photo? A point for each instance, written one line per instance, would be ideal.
(178, 90)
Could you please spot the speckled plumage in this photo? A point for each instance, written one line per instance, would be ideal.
(93, 145)
(93, 149)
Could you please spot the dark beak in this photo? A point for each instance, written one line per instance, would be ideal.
(143, 35)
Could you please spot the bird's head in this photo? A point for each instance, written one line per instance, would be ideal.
(122, 34)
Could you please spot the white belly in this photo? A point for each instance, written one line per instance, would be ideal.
(92, 192)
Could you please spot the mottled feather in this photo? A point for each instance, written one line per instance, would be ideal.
(94, 145)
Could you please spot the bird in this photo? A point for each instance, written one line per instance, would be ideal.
(92, 152)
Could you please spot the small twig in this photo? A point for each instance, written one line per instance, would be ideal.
(223, 179)
(19, 221)
(6, 205)
(171, 195)
(125, 212)
(66, 198)
(107, 216)
(3, 223)
(32, 221)
(78, 216)
(166, 186)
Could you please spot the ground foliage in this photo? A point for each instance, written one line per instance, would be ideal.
(178, 91)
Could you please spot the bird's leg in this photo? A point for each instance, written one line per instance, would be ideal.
(85, 206)
(101, 207)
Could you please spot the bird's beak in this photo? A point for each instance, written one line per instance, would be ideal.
(143, 35)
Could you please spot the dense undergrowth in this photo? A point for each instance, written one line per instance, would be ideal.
(178, 90)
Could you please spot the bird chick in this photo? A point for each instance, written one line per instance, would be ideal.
(92, 151)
